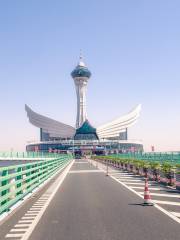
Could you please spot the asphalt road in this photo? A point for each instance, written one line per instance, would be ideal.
(91, 206)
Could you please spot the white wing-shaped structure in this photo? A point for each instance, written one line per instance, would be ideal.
(49, 126)
(114, 128)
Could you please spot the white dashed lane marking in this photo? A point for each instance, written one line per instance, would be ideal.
(21, 225)
(130, 180)
(18, 230)
(150, 188)
(125, 179)
(25, 221)
(27, 218)
(32, 212)
(134, 183)
(14, 235)
(167, 202)
(85, 171)
(80, 162)
(123, 174)
(163, 195)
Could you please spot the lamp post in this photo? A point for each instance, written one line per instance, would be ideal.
(107, 170)
(174, 168)
(73, 149)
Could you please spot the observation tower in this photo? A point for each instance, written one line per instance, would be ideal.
(81, 75)
(84, 139)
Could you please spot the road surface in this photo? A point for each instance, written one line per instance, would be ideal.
(91, 206)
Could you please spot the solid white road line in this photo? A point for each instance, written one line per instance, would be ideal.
(163, 195)
(177, 214)
(167, 202)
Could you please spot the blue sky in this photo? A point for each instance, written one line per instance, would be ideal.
(131, 47)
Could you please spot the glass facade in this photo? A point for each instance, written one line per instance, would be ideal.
(93, 148)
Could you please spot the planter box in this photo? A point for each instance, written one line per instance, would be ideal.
(131, 168)
(155, 175)
(178, 180)
(141, 172)
(150, 174)
(163, 179)
(167, 179)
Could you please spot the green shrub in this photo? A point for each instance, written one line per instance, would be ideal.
(167, 167)
(155, 165)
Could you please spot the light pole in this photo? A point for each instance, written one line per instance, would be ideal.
(107, 169)
(73, 148)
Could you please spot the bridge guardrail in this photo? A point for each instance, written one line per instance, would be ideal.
(17, 181)
(27, 155)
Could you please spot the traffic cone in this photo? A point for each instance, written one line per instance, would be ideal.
(147, 197)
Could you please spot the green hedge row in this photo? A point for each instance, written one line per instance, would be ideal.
(154, 165)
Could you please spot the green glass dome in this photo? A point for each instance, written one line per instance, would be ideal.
(81, 71)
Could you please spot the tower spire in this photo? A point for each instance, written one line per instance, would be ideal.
(81, 62)
(80, 55)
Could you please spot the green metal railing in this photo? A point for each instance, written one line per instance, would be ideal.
(28, 155)
(17, 181)
(173, 157)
